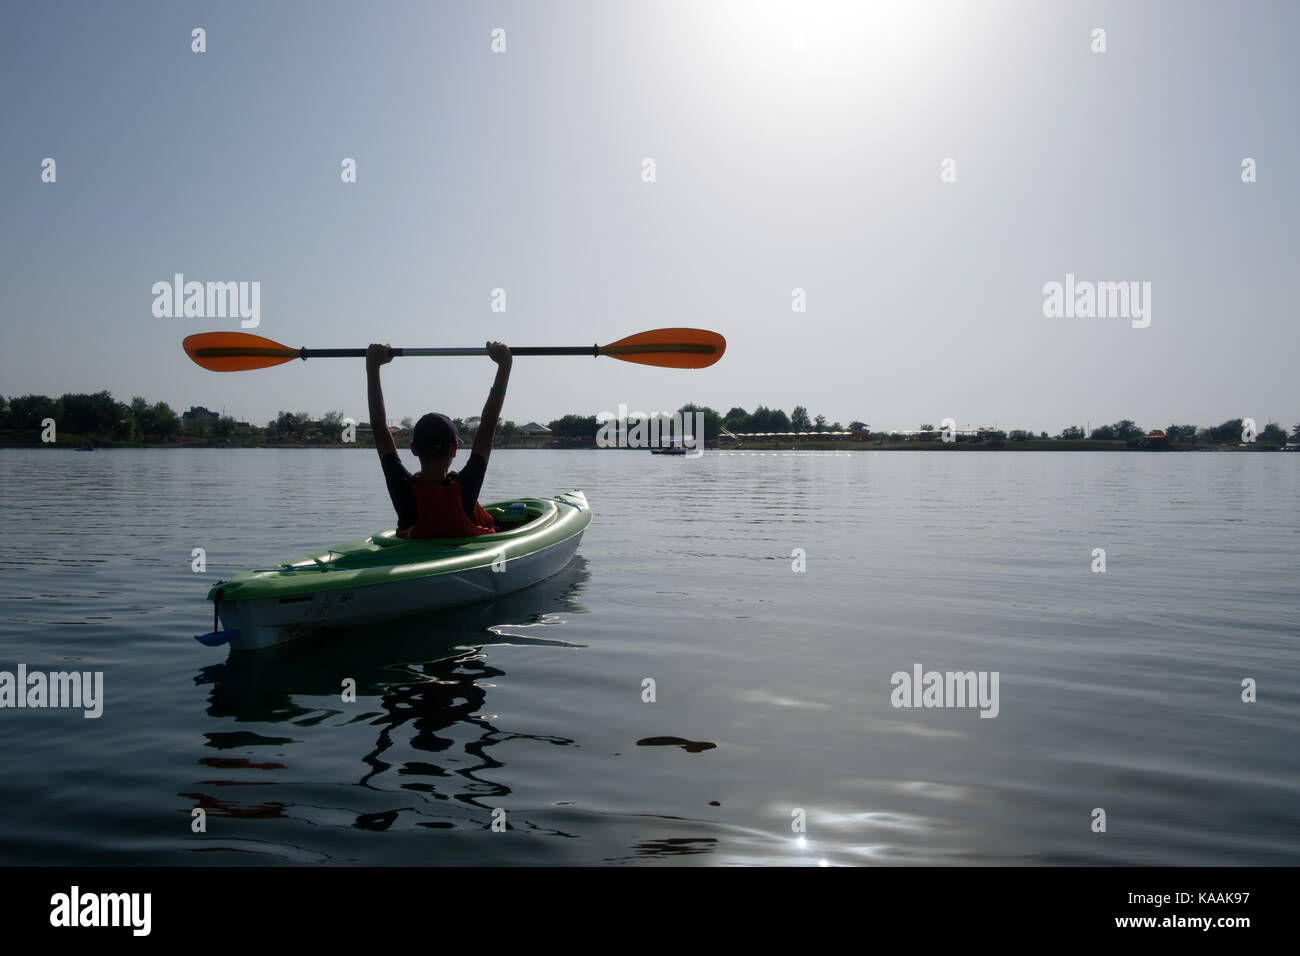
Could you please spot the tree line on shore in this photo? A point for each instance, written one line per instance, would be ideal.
(102, 418)
(766, 421)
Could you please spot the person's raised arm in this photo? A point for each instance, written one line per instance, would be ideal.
(487, 425)
(377, 355)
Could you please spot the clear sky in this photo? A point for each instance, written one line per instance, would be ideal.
(796, 145)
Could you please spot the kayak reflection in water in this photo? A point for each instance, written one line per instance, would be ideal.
(436, 502)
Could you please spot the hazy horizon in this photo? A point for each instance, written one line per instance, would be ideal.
(796, 146)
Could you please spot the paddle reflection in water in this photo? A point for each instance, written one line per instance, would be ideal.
(429, 674)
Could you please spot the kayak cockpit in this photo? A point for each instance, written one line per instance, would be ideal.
(513, 519)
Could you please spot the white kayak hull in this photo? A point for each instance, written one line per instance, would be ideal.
(268, 622)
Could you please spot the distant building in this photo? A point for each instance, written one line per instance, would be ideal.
(532, 428)
(199, 415)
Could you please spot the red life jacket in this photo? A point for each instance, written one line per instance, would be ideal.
(440, 513)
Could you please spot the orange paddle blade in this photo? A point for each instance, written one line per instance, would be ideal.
(236, 351)
(669, 348)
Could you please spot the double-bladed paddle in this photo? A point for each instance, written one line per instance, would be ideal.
(666, 348)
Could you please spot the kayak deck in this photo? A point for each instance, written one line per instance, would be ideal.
(384, 577)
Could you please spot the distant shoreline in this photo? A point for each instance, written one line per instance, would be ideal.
(73, 443)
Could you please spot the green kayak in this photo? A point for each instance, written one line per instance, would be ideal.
(385, 577)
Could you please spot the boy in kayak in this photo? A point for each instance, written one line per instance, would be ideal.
(436, 502)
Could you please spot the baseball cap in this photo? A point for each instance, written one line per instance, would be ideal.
(434, 433)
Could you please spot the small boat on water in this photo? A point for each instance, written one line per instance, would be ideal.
(677, 447)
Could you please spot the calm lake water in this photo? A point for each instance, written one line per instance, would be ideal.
(1119, 690)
